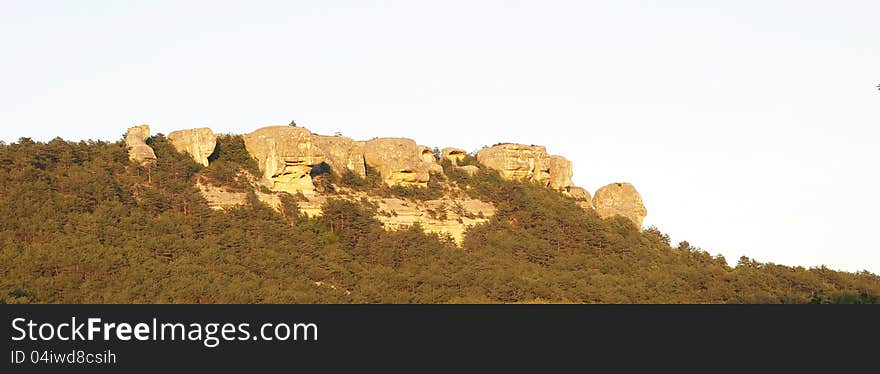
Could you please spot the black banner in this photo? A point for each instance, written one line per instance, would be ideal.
(329, 338)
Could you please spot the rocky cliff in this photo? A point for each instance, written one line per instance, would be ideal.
(290, 157)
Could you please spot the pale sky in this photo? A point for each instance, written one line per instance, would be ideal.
(749, 127)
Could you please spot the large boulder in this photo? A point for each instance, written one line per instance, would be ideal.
(454, 155)
(518, 162)
(560, 173)
(136, 141)
(342, 154)
(399, 161)
(286, 156)
(620, 199)
(198, 143)
(581, 196)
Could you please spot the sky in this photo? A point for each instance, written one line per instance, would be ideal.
(750, 128)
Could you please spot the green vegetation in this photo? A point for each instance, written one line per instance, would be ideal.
(228, 161)
(80, 223)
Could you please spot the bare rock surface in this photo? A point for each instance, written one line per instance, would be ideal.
(620, 199)
(286, 156)
(198, 143)
(136, 141)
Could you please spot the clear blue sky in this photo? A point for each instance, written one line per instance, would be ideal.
(749, 127)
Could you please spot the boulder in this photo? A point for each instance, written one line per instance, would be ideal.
(518, 162)
(560, 173)
(455, 155)
(198, 143)
(581, 196)
(286, 156)
(620, 199)
(342, 154)
(469, 169)
(399, 161)
(136, 141)
(427, 154)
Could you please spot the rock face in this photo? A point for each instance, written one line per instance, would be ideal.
(469, 169)
(136, 141)
(342, 154)
(455, 155)
(286, 156)
(399, 161)
(581, 196)
(427, 154)
(518, 162)
(560, 173)
(444, 217)
(528, 163)
(198, 143)
(620, 199)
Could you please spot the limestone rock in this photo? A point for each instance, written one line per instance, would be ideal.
(136, 141)
(620, 199)
(427, 154)
(399, 161)
(342, 154)
(198, 143)
(286, 156)
(581, 196)
(455, 155)
(444, 216)
(518, 162)
(560, 173)
(469, 169)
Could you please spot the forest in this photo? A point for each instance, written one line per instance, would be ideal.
(80, 223)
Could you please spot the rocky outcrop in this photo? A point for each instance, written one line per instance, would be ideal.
(468, 169)
(560, 173)
(581, 196)
(342, 154)
(620, 199)
(528, 163)
(444, 217)
(399, 161)
(454, 155)
(220, 198)
(286, 156)
(198, 143)
(136, 141)
(427, 154)
(518, 162)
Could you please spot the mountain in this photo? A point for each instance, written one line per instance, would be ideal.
(282, 215)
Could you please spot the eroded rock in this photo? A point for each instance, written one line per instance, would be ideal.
(581, 196)
(399, 161)
(518, 162)
(454, 155)
(620, 199)
(342, 154)
(560, 173)
(136, 141)
(198, 143)
(286, 156)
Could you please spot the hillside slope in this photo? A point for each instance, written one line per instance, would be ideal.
(82, 223)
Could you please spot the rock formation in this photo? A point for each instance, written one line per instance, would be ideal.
(454, 155)
(136, 141)
(198, 143)
(399, 161)
(518, 162)
(342, 154)
(444, 217)
(560, 173)
(620, 199)
(469, 169)
(528, 163)
(427, 154)
(286, 156)
(581, 196)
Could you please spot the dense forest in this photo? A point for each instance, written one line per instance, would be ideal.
(80, 223)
